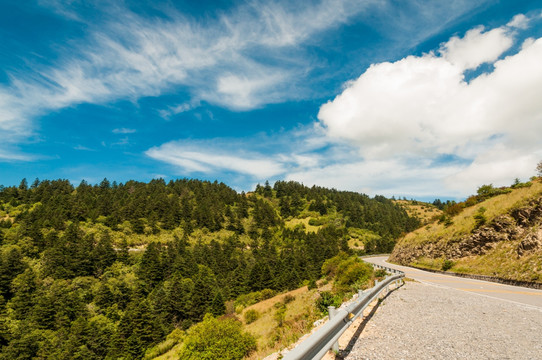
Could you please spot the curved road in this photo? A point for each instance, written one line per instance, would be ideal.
(516, 294)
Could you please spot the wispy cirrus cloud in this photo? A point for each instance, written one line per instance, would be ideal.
(128, 56)
(241, 59)
(124, 131)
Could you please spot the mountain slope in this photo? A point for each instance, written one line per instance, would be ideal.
(108, 270)
(500, 236)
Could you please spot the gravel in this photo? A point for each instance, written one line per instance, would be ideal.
(420, 321)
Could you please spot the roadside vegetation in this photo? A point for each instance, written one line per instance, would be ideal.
(279, 321)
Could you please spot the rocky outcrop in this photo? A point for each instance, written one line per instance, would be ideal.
(523, 224)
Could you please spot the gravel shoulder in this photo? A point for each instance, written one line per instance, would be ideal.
(421, 321)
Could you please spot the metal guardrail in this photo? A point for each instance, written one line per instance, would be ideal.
(325, 338)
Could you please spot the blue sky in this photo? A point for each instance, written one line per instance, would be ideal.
(421, 99)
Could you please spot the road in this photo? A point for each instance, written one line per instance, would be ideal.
(516, 294)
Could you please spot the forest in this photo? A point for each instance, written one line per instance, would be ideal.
(107, 271)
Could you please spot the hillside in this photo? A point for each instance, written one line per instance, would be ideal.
(423, 211)
(496, 233)
(109, 270)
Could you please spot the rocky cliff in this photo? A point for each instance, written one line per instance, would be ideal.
(509, 245)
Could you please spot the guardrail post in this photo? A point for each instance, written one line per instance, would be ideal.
(332, 312)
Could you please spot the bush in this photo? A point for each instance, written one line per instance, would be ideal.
(217, 339)
(267, 294)
(447, 265)
(352, 271)
(288, 298)
(327, 299)
(316, 222)
(330, 266)
(251, 316)
(280, 314)
(479, 218)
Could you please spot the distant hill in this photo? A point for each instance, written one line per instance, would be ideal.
(497, 232)
(424, 212)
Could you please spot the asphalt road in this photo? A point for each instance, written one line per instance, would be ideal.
(516, 294)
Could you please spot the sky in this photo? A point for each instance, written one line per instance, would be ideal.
(416, 99)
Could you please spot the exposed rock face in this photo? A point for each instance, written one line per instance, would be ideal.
(523, 224)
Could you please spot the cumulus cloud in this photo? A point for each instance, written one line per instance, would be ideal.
(421, 107)
(476, 47)
(519, 21)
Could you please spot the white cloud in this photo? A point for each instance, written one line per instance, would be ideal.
(387, 177)
(519, 21)
(177, 109)
(131, 57)
(422, 108)
(243, 59)
(124, 131)
(200, 158)
(476, 47)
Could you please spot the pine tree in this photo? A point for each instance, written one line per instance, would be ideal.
(218, 307)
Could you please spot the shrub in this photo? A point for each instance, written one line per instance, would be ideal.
(353, 270)
(453, 209)
(447, 265)
(330, 266)
(288, 298)
(217, 339)
(479, 218)
(327, 299)
(267, 294)
(280, 314)
(251, 316)
(316, 222)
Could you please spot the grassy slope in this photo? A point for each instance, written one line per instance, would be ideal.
(299, 317)
(425, 212)
(502, 261)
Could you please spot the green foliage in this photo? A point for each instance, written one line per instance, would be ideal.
(254, 297)
(75, 282)
(380, 273)
(539, 168)
(288, 298)
(487, 191)
(251, 315)
(280, 314)
(217, 339)
(447, 265)
(518, 184)
(479, 218)
(330, 266)
(174, 338)
(327, 299)
(445, 219)
(347, 271)
(353, 271)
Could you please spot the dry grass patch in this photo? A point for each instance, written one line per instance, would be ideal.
(464, 222)
(296, 315)
(425, 212)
